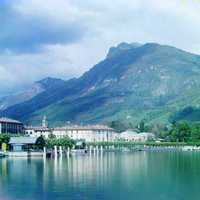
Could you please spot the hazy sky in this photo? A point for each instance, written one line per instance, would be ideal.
(64, 38)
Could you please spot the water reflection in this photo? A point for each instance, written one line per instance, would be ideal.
(139, 175)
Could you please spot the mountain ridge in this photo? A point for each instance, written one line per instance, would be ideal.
(149, 78)
(35, 89)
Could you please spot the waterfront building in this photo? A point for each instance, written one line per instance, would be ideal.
(11, 126)
(89, 133)
(22, 143)
(130, 135)
(37, 131)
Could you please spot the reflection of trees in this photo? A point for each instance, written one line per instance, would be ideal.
(22, 174)
(113, 175)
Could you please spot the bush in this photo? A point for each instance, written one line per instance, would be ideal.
(64, 142)
(4, 138)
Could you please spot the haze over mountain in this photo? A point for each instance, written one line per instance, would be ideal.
(134, 81)
(35, 89)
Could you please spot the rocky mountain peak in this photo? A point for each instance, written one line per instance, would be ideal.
(123, 46)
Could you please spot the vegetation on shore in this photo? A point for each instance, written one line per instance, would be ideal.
(129, 143)
(175, 133)
(64, 142)
(182, 131)
(132, 143)
(4, 138)
(41, 142)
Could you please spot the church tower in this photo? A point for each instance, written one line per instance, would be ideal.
(44, 122)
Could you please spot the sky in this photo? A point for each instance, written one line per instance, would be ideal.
(65, 38)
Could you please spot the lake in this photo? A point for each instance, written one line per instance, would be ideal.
(111, 176)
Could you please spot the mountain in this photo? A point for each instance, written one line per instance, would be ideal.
(189, 113)
(34, 90)
(14, 99)
(120, 48)
(134, 81)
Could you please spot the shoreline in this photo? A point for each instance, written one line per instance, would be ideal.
(97, 151)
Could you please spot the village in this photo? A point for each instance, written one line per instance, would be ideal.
(24, 138)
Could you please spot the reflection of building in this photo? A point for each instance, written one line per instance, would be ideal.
(138, 137)
(10, 126)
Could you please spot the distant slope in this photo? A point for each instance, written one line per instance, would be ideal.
(133, 82)
(188, 113)
(40, 87)
(8, 101)
(34, 90)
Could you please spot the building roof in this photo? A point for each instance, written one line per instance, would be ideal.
(8, 120)
(85, 127)
(129, 132)
(23, 140)
(147, 134)
(132, 134)
(37, 128)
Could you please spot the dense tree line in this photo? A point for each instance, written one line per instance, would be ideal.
(121, 126)
(182, 131)
(64, 142)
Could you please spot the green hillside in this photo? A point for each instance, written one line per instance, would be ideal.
(189, 113)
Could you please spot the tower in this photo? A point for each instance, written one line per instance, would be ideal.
(44, 122)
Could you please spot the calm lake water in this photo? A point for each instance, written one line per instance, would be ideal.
(127, 176)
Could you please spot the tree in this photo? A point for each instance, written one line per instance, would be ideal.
(119, 125)
(40, 143)
(51, 136)
(64, 142)
(180, 132)
(142, 126)
(4, 138)
(195, 132)
(160, 130)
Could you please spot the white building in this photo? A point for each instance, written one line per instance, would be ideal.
(130, 135)
(89, 133)
(36, 131)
